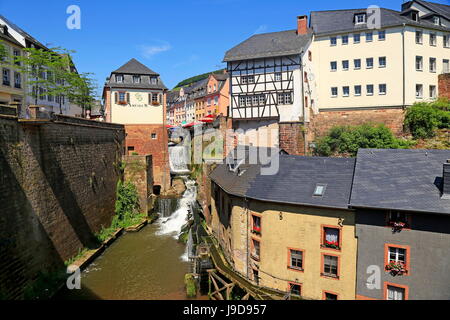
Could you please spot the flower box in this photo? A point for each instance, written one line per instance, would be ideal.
(396, 268)
(397, 225)
(256, 230)
(155, 103)
(332, 244)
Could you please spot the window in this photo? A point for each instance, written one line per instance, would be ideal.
(255, 100)
(357, 90)
(382, 62)
(345, 64)
(284, 98)
(256, 224)
(248, 101)
(433, 92)
(369, 89)
(295, 289)
(357, 63)
(344, 40)
(262, 99)
(395, 293)
(369, 63)
(119, 78)
(333, 65)
(309, 55)
(319, 190)
(369, 36)
(382, 89)
(242, 101)
(397, 255)
(153, 136)
(330, 266)
(16, 54)
(251, 79)
(6, 77)
(360, 18)
(445, 66)
(433, 65)
(136, 79)
(155, 98)
(333, 41)
(334, 92)
(415, 16)
(331, 238)
(153, 80)
(433, 39)
(295, 259)
(356, 38)
(122, 97)
(446, 40)
(419, 37)
(209, 101)
(345, 91)
(256, 276)
(419, 91)
(329, 296)
(255, 249)
(437, 21)
(278, 76)
(381, 35)
(17, 80)
(216, 100)
(419, 63)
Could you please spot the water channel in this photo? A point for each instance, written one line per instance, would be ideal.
(149, 264)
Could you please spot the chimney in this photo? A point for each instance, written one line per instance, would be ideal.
(446, 180)
(302, 24)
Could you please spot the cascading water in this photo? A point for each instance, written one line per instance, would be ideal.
(173, 224)
(178, 160)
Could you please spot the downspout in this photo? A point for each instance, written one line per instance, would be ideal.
(404, 76)
(247, 255)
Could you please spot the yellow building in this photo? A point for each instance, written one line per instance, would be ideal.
(12, 82)
(289, 228)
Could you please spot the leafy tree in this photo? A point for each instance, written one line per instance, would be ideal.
(423, 119)
(346, 140)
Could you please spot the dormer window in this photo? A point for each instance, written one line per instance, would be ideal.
(153, 80)
(415, 16)
(119, 78)
(136, 79)
(437, 21)
(360, 18)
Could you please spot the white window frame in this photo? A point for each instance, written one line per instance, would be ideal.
(444, 63)
(367, 65)
(278, 76)
(419, 36)
(433, 39)
(419, 93)
(356, 35)
(354, 64)
(345, 37)
(381, 35)
(360, 90)
(395, 292)
(360, 18)
(337, 92)
(371, 36)
(343, 91)
(446, 40)
(381, 92)
(433, 91)
(331, 66)
(119, 78)
(380, 65)
(348, 65)
(333, 41)
(433, 65)
(419, 63)
(367, 91)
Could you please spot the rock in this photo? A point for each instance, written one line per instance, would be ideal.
(179, 186)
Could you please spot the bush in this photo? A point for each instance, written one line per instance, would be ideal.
(423, 119)
(346, 140)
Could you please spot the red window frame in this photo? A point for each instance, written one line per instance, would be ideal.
(323, 237)
(385, 287)
(290, 284)
(254, 257)
(322, 266)
(324, 294)
(407, 256)
(255, 229)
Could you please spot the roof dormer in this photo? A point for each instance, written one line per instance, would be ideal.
(360, 18)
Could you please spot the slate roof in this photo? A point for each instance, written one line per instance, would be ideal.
(340, 21)
(294, 182)
(439, 8)
(9, 38)
(268, 45)
(407, 180)
(24, 34)
(134, 67)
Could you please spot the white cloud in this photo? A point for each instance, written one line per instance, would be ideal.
(149, 51)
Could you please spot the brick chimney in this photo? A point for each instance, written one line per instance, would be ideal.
(446, 180)
(302, 24)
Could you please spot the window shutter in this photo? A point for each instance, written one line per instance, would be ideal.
(128, 97)
(149, 98)
(116, 97)
(160, 98)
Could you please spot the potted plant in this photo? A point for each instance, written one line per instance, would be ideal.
(332, 244)
(397, 226)
(256, 229)
(396, 268)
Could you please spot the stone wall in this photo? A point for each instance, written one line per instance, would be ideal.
(138, 170)
(139, 140)
(321, 123)
(57, 189)
(292, 137)
(444, 85)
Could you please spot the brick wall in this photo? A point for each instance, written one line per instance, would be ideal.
(321, 123)
(138, 170)
(291, 137)
(139, 138)
(57, 189)
(444, 85)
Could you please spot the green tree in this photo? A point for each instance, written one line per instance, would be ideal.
(424, 118)
(346, 140)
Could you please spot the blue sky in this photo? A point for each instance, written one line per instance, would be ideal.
(176, 38)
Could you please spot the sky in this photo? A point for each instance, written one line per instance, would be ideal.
(176, 38)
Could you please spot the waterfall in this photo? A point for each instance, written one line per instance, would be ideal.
(172, 225)
(165, 206)
(178, 159)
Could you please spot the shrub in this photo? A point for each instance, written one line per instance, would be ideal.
(423, 119)
(346, 140)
